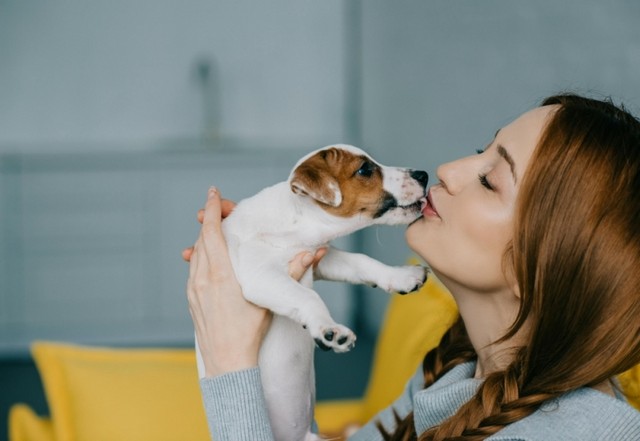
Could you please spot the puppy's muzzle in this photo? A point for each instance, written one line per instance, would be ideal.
(390, 202)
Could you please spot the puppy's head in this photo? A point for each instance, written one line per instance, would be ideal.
(346, 182)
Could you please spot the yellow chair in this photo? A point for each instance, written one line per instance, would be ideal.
(413, 324)
(127, 379)
(25, 425)
(113, 394)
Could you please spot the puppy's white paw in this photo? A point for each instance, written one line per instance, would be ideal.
(403, 279)
(333, 336)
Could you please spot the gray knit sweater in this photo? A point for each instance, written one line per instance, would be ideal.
(236, 411)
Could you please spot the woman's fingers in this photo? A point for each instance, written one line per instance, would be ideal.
(211, 234)
(226, 207)
(303, 261)
(319, 255)
(193, 261)
(211, 220)
(207, 259)
(229, 329)
(186, 254)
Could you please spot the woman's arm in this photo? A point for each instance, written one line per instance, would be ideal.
(229, 330)
(235, 407)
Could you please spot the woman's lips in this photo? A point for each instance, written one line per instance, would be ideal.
(429, 209)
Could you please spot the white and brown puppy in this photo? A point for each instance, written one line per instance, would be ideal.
(331, 192)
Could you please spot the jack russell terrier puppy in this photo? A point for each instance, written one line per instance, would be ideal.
(330, 192)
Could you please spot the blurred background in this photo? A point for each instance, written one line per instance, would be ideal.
(115, 118)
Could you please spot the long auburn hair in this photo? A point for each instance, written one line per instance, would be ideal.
(576, 257)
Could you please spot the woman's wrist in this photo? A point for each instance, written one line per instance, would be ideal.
(230, 363)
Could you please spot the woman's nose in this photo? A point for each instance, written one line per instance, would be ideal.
(453, 175)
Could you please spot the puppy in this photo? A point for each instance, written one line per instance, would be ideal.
(330, 192)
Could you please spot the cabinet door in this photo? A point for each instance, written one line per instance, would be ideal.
(5, 255)
(84, 249)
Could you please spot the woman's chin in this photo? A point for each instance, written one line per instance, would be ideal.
(414, 239)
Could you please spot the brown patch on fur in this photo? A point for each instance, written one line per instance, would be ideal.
(360, 194)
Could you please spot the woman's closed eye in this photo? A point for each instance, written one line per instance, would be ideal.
(485, 182)
(483, 177)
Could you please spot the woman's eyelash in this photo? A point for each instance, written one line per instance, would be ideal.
(485, 182)
(483, 178)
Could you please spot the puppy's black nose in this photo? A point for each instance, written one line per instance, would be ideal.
(421, 176)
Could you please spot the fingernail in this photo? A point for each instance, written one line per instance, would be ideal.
(212, 192)
(307, 259)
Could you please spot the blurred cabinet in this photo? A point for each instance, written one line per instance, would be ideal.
(91, 243)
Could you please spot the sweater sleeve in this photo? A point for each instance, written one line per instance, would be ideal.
(235, 407)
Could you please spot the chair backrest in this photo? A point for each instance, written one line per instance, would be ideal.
(630, 383)
(413, 324)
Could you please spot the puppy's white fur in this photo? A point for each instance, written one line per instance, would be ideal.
(266, 231)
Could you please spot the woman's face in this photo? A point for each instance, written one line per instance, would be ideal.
(467, 223)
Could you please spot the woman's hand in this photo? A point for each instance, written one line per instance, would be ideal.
(229, 329)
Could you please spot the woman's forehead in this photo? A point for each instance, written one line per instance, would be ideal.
(520, 137)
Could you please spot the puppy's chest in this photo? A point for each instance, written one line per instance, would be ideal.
(277, 241)
(285, 232)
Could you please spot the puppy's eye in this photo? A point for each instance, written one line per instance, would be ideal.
(366, 169)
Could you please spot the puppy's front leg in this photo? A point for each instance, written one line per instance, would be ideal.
(266, 283)
(359, 268)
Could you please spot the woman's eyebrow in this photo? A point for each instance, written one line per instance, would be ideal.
(507, 157)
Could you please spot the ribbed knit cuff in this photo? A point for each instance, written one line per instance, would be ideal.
(235, 407)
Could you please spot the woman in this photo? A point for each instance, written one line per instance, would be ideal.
(537, 237)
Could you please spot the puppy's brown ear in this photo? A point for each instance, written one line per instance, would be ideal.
(317, 182)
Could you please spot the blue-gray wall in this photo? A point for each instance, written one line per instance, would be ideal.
(123, 74)
(440, 77)
(416, 82)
